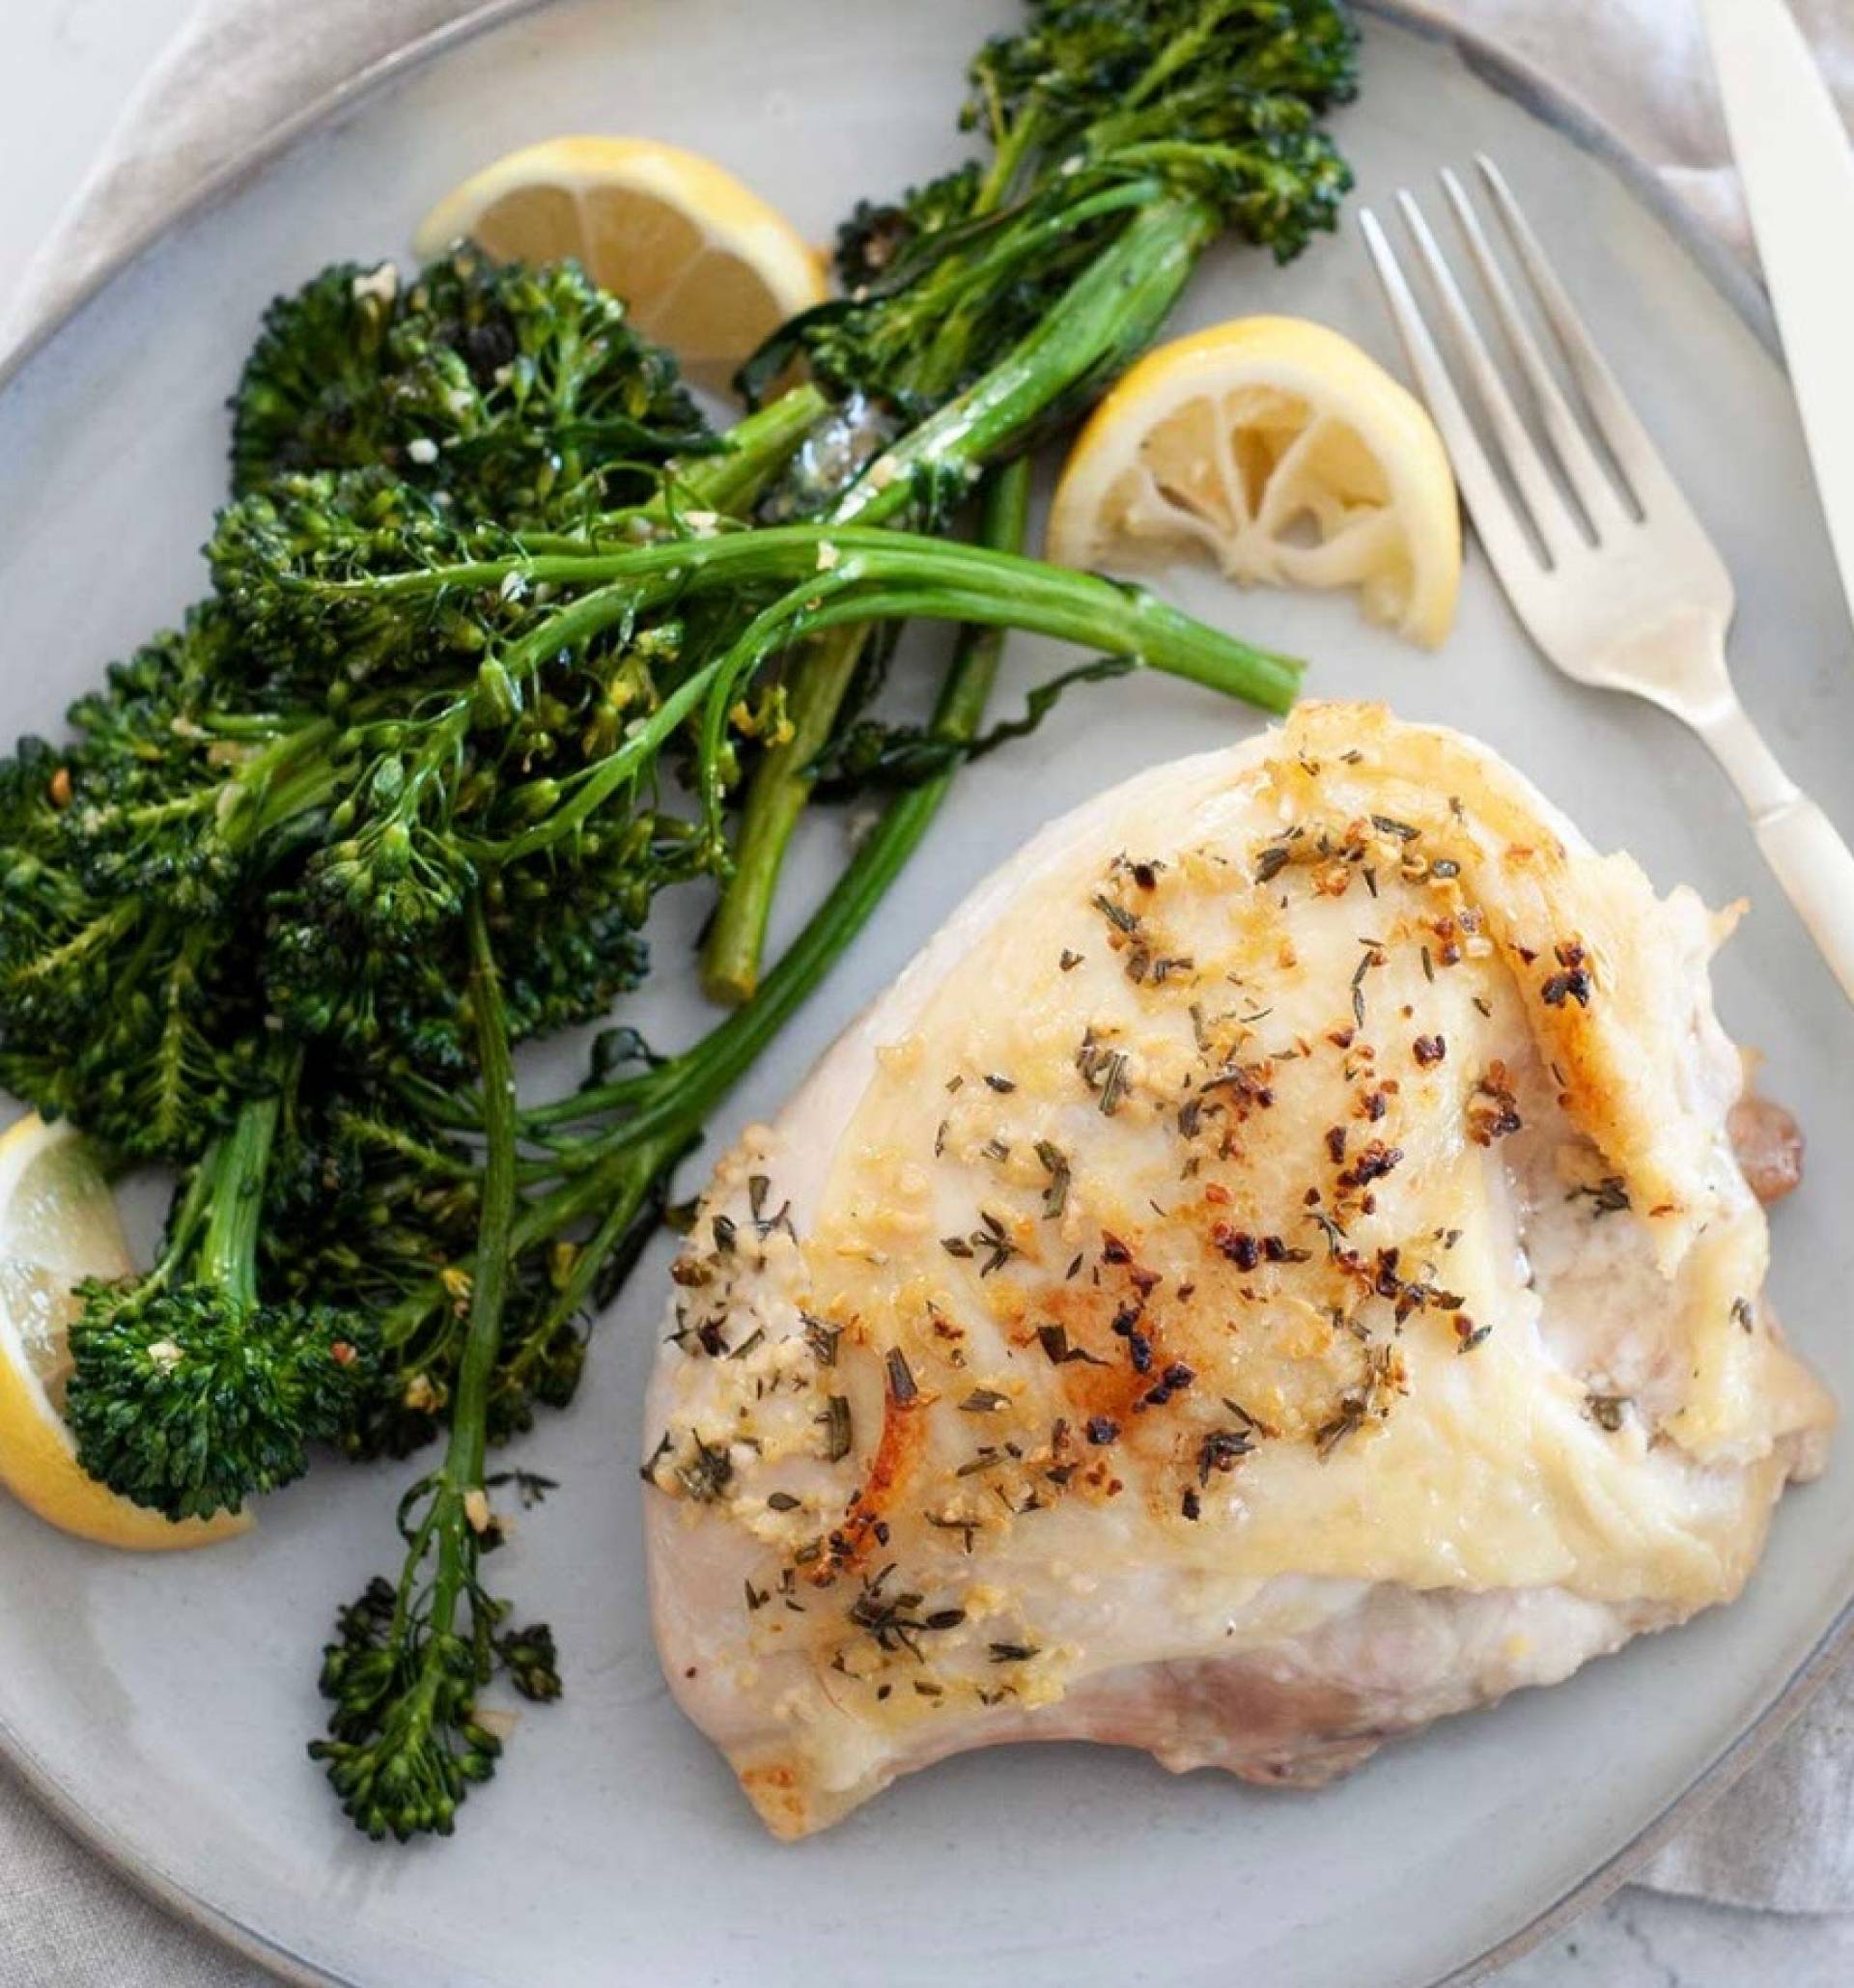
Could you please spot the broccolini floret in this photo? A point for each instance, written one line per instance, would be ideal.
(1093, 113)
(498, 390)
(128, 860)
(187, 1393)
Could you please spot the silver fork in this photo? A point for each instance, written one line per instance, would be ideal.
(1621, 588)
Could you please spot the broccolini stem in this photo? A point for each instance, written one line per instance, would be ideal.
(1013, 143)
(220, 1208)
(1178, 53)
(1109, 312)
(758, 447)
(462, 1470)
(447, 1516)
(290, 774)
(403, 1743)
(727, 1051)
(907, 578)
(696, 1079)
(189, 1214)
(462, 1467)
(643, 576)
(298, 778)
(777, 796)
(576, 1290)
(1003, 524)
(1022, 246)
(228, 1247)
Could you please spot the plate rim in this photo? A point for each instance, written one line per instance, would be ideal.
(1540, 96)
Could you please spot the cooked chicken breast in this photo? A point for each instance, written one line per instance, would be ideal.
(1272, 1271)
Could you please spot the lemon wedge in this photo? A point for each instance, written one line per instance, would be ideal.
(1283, 452)
(707, 268)
(58, 1224)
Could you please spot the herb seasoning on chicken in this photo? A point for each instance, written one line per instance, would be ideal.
(1223, 1380)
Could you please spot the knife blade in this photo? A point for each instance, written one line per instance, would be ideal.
(1798, 171)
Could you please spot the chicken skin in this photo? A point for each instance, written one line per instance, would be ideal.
(1272, 1270)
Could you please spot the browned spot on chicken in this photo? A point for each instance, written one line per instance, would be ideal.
(863, 1522)
(1246, 1411)
(1769, 1145)
(781, 1803)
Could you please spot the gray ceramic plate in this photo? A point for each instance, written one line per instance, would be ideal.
(163, 1705)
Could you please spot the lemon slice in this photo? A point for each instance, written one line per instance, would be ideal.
(707, 268)
(58, 1225)
(1283, 452)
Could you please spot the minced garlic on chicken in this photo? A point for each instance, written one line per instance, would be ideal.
(1272, 1271)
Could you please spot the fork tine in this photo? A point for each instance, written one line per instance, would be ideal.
(1615, 421)
(1595, 491)
(1543, 503)
(1511, 551)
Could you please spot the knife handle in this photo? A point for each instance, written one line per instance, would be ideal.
(1815, 867)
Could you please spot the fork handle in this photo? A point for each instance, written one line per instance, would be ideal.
(1816, 869)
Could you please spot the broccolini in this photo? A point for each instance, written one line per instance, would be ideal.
(982, 308)
(188, 1393)
(500, 635)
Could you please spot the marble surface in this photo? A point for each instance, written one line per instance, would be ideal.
(72, 64)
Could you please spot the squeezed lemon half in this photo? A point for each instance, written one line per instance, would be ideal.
(706, 266)
(1281, 451)
(58, 1225)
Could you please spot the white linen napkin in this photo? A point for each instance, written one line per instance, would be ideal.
(1784, 1838)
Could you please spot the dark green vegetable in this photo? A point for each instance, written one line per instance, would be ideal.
(126, 864)
(398, 798)
(500, 391)
(403, 1739)
(189, 1395)
(498, 631)
(983, 308)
